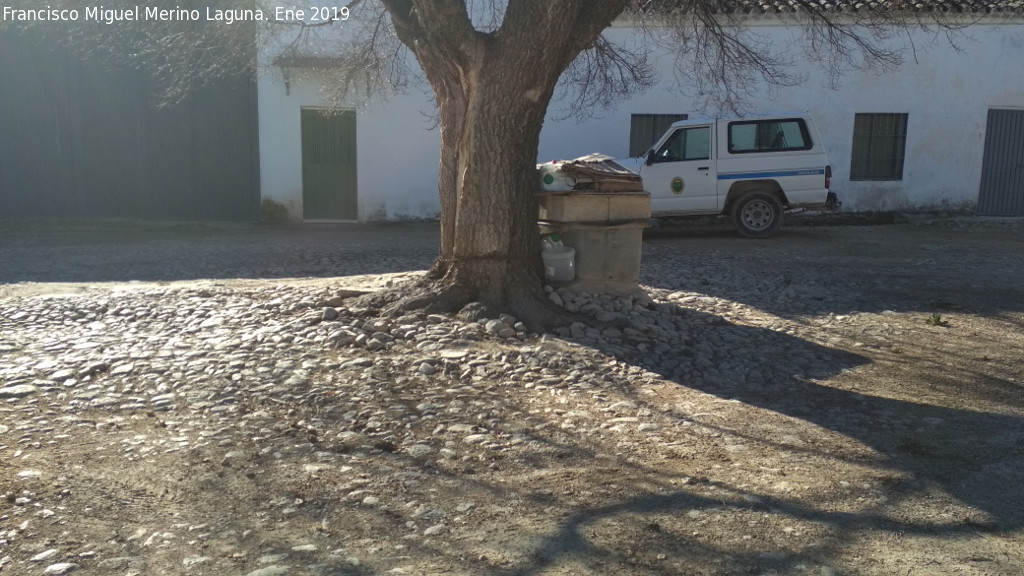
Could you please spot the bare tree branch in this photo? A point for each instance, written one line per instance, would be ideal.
(720, 60)
(179, 55)
(722, 63)
(602, 76)
(370, 63)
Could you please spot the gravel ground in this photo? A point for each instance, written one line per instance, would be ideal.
(202, 400)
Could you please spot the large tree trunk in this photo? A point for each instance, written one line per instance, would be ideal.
(493, 91)
(493, 248)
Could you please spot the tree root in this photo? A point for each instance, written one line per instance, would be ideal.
(432, 295)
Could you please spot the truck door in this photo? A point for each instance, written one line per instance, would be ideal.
(680, 173)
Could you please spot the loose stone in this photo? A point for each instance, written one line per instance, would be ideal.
(194, 561)
(418, 450)
(18, 391)
(44, 555)
(270, 571)
(304, 548)
(435, 530)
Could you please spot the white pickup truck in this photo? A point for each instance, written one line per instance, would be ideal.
(752, 169)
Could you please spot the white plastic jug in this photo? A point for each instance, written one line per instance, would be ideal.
(559, 264)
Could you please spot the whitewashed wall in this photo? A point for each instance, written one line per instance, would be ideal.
(397, 151)
(945, 90)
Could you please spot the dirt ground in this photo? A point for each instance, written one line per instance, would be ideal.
(876, 426)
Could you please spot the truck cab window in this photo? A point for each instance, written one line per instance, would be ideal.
(685, 144)
(768, 136)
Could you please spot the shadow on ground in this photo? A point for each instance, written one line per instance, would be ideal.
(625, 503)
(811, 270)
(122, 252)
(958, 464)
(589, 499)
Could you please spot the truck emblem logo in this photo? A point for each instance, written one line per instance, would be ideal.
(677, 185)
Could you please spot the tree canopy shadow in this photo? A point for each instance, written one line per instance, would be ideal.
(970, 456)
(561, 476)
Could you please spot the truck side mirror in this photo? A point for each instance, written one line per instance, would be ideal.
(650, 157)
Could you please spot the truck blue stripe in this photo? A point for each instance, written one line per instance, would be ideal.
(772, 174)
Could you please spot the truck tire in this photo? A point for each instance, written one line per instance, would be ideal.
(757, 215)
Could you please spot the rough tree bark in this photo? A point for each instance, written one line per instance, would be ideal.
(492, 92)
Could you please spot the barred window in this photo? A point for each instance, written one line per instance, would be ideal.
(879, 146)
(645, 129)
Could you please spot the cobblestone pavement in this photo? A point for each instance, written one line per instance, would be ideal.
(837, 400)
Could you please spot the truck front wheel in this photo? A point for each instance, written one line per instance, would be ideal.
(757, 215)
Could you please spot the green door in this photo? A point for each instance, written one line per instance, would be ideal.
(1002, 166)
(329, 164)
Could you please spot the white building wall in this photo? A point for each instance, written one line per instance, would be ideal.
(399, 159)
(281, 138)
(946, 93)
(397, 149)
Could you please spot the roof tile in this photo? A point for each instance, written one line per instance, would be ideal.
(976, 7)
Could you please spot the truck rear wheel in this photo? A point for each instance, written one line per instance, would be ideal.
(757, 215)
